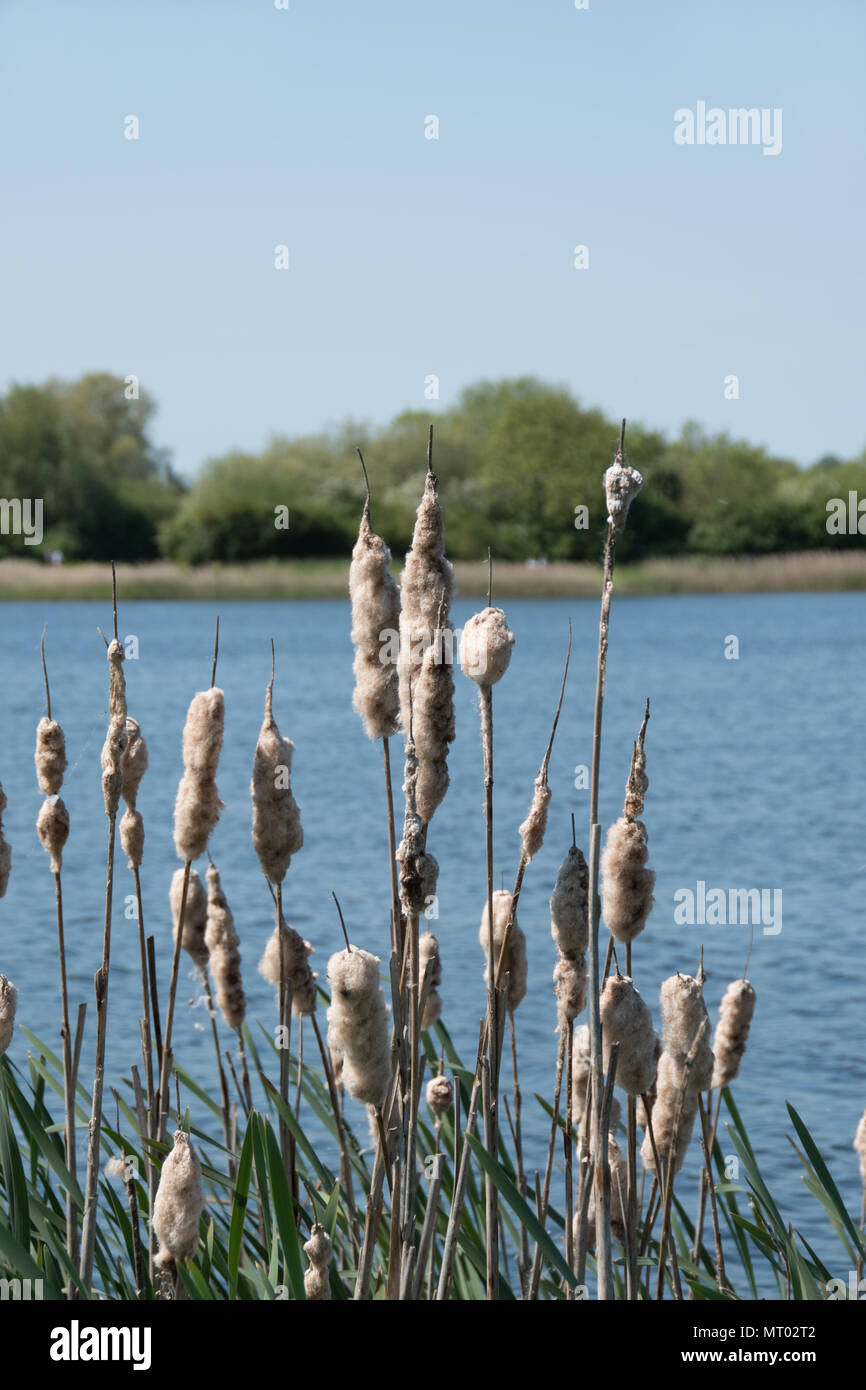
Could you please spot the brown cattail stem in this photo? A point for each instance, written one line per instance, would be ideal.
(345, 1165)
(714, 1211)
(163, 1097)
(88, 1233)
(603, 1247)
(111, 780)
(69, 1080)
(490, 1119)
(537, 1259)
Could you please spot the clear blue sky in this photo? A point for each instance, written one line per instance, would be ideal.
(412, 256)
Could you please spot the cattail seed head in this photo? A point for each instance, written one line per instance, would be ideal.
(683, 1013)
(194, 915)
(5, 848)
(859, 1142)
(433, 723)
(375, 612)
(650, 1093)
(50, 756)
(732, 1031)
(485, 647)
(358, 1024)
(179, 1203)
(430, 964)
(8, 1005)
(664, 1117)
(440, 1095)
(426, 590)
(637, 785)
(569, 910)
(627, 885)
(618, 1205)
(318, 1250)
(569, 988)
(277, 830)
(581, 1070)
(116, 739)
(622, 483)
(52, 825)
(222, 943)
(626, 1019)
(298, 973)
(134, 763)
(198, 805)
(132, 837)
(419, 871)
(532, 830)
(514, 959)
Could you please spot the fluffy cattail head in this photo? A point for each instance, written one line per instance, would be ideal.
(671, 1140)
(485, 647)
(133, 764)
(569, 919)
(52, 825)
(179, 1203)
(433, 722)
(318, 1250)
(859, 1142)
(194, 915)
(732, 1031)
(419, 870)
(358, 1024)
(627, 884)
(198, 805)
(8, 1005)
(683, 1014)
(625, 1019)
(132, 837)
(297, 971)
(222, 943)
(375, 616)
(569, 987)
(440, 1095)
(426, 590)
(5, 849)
(277, 831)
(618, 1204)
(514, 958)
(581, 1068)
(115, 742)
(430, 966)
(622, 484)
(50, 756)
(637, 785)
(532, 830)
(203, 732)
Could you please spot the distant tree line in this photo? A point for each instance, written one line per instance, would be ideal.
(517, 461)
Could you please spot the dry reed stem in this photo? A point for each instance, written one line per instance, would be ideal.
(5, 847)
(112, 754)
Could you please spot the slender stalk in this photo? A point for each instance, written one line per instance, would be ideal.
(714, 1211)
(603, 1247)
(88, 1230)
(163, 1096)
(569, 1149)
(68, 1082)
(538, 1259)
(490, 1120)
(147, 1051)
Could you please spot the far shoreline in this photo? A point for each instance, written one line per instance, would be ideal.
(810, 571)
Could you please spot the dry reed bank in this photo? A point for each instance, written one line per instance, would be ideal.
(808, 571)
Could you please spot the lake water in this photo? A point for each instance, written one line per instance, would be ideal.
(756, 781)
